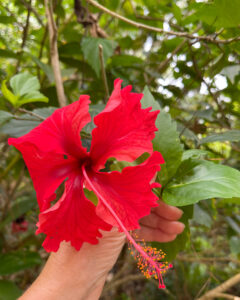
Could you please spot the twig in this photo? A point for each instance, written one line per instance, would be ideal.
(222, 288)
(209, 39)
(100, 47)
(52, 28)
(28, 6)
(24, 36)
(226, 296)
(31, 113)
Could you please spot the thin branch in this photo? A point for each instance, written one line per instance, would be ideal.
(225, 296)
(52, 28)
(31, 113)
(28, 6)
(222, 288)
(104, 76)
(24, 36)
(209, 39)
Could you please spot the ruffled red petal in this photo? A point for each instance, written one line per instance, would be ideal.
(73, 218)
(61, 131)
(128, 193)
(124, 130)
(47, 170)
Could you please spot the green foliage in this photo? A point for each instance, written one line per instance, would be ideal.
(194, 83)
(25, 90)
(18, 260)
(171, 249)
(9, 290)
(231, 135)
(166, 138)
(90, 48)
(198, 180)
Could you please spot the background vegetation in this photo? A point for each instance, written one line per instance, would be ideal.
(187, 52)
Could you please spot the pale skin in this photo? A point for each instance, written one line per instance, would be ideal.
(80, 275)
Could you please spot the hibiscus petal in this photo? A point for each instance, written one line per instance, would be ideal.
(61, 131)
(47, 170)
(129, 193)
(124, 130)
(73, 218)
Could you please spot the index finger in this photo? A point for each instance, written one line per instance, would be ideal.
(167, 212)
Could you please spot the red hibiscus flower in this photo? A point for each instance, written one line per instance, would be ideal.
(53, 152)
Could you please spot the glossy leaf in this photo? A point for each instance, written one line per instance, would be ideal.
(230, 135)
(198, 180)
(167, 137)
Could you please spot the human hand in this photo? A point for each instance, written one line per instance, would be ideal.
(71, 274)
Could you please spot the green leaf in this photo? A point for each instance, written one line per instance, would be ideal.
(46, 68)
(20, 207)
(24, 83)
(4, 116)
(33, 96)
(230, 135)
(166, 138)
(8, 94)
(9, 290)
(17, 128)
(25, 88)
(201, 217)
(91, 51)
(12, 262)
(45, 112)
(198, 180)
(171, 249)
(221, 13)
(126, 61)
(195, 153)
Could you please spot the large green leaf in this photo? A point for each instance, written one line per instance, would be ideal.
(230, 135)
(198, 180)
(17, 128)
(25, 90)
(12, 262)
(171, 249)
(221, 13)
(24, 83)
(9, 290)
(90, 48)
(166, 138)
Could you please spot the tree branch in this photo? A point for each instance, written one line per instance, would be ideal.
(222, 288)
(209, 39)
(52, 28)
